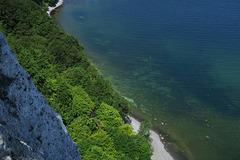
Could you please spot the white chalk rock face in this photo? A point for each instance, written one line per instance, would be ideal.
(29, 128)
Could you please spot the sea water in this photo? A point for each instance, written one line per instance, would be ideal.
(177, 62)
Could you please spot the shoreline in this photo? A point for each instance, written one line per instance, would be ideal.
(57, 5)
(159, 149)
(159, 153)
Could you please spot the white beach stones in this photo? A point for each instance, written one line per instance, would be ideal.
(159, 153)
(29, 128)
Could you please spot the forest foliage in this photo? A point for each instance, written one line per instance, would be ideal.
(91, 110)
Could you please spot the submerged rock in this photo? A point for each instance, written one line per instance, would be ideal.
(29, 128)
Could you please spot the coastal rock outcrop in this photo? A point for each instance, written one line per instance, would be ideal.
(29, 128)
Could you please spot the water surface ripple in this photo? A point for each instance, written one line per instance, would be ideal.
(176, 61)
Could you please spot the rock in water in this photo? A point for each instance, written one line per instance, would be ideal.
(29, 128)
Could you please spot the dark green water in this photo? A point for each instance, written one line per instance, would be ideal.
(175, 61)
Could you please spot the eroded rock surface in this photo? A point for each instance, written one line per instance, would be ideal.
(29, 128)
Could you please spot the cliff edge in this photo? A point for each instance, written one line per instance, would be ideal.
(29, 128)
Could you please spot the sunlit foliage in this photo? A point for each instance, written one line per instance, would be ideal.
(89, 106)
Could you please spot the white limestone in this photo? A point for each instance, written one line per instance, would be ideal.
(29, 128)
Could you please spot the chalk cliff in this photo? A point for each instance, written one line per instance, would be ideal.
(29, 128)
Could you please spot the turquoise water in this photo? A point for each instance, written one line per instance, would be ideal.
(176, 61)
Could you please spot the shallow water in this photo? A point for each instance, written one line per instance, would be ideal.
(176, 61)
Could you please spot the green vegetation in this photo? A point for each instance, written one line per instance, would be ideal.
(45, 3)
(89, 106)
(145, 128)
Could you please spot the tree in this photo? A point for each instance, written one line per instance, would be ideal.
(110, 118)
(78, 130)
(134, 147)
(82, 105)
(73, 87)
(144, 129)
(126, 129)
(96, 153)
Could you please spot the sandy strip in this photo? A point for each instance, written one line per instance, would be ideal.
(58, 4)
(159, 151)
